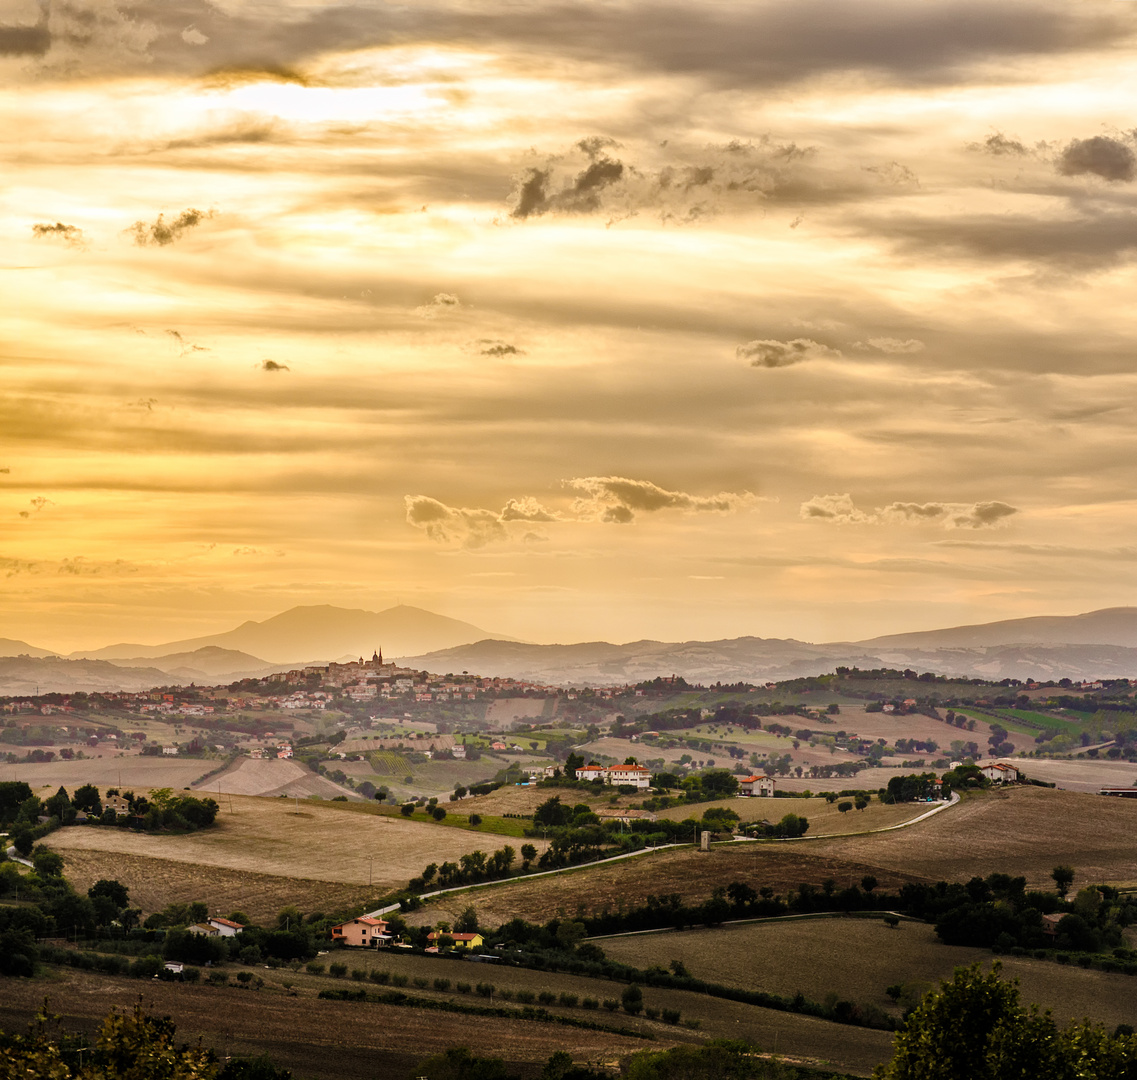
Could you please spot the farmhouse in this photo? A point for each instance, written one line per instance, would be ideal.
(757, 785)
(366, 932)
(635, 775)
(461, 941)
(591, 772)
(226, 927)
(204, 929)
(1000, 773)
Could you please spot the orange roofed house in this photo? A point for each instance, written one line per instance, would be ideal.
(461, 941)
(366, 932)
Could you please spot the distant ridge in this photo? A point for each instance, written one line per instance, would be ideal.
(1108, 626)
(320, 632)
(11, 647)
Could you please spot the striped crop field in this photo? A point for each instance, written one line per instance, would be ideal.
(388, 763)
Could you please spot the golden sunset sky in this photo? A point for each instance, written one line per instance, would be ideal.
(592, 319)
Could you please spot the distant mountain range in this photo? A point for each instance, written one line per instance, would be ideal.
(301, 633)
(1099, 644)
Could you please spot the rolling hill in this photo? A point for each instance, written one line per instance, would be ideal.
(318, 634)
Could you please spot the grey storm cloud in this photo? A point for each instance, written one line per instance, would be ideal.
(769, 43)
(1100, 156)
(768, 353)
(162, 233)
(71, 235)
(840, 509)
(617, 499)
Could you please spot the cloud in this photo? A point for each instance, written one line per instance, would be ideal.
(493, 347)
(439, 302)
(1099, 155)
(527, 509)
(37, 504)
(679, 185)
(767, 353)
(999, 145)
(891, 345)
(272, 365)
(841, 510)
(471, 529)
(617, 500)
(982, 515)
(582, 194)
(185, 347)
(162, 233)
(71, 235)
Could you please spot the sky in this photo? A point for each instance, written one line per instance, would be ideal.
(579, 320)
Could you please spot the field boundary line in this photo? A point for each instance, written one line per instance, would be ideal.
(759, 919)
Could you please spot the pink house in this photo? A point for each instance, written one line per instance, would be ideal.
(366, 932)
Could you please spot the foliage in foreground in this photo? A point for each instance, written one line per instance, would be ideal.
(975, 1027)
(129, 1046)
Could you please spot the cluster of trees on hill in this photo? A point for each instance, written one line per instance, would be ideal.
(29, 818)
(999, 912)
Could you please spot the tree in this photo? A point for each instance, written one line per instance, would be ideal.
(868, 883)
(632, 999)
(844, 807)
(1063, 878)
(407, 809)
(974, 1027)
(467, 922)
(130, 1046)
(47, 863)
(87, 799)
(528, 854)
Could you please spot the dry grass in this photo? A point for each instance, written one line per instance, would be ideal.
(824, 817)
(323, 841)
(1016, 831)
(154, 883)
(1083, 774)
(858, 958)
(693, 875)
(128, 771)
(271, 777)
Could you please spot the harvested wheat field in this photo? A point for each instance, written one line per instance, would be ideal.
(857, 958)
(1082, 774)
(128, 771)
(317, 841)
(625, 883)
(154, 883)
(273, 777)
(1020, 830)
